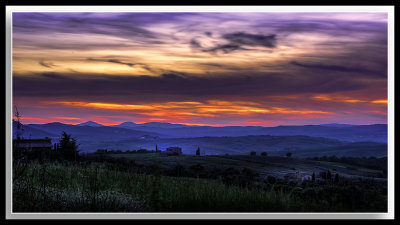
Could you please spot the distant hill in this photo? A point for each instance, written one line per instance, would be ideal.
(30, 132)
(91, 124)
(355, 140)
(344, 132)
(299, 145)
(126, 124)
(151, 125)
(90, 133)
(336, 125)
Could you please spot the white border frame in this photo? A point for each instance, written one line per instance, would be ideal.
(387, 9)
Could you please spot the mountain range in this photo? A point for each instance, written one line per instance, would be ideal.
(219, 140)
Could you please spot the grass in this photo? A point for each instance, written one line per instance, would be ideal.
(346, 166)
(56, 187)
(265, 166)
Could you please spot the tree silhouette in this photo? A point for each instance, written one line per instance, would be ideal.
(329, 175)
(68, 147)
(264, 154)
(288, 154)
(336, 180)
(198, 151)
(313, 177)
(253, 153)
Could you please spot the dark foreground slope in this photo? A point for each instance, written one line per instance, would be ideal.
(125, 186)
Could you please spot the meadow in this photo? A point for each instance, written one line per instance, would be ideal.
(115, 184)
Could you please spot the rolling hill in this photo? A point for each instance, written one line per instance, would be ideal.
(302, 141)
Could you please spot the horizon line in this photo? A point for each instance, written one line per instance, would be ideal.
(206, 125)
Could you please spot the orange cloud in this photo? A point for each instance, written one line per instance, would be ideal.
(383, 101)
(184, 111)
(66, 118)
(347, 99)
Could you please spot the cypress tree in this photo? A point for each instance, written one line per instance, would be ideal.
(336, 181)
(198, 151)
(329, 175)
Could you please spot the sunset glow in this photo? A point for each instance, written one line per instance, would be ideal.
(216, 69)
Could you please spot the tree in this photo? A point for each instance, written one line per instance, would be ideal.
(329, 175)
(196, 169)
(336, 181)
(288, 154)
(264, 154)
(253, 153)
(198, 151)
(271, 179)
(322, 175)
(313, 177)
(68, 147)
(156, 148)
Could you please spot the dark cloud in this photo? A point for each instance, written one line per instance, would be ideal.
(227, 48)
(46, 64)
(53, 76)
(327, 26)
(122, 63)
(195, 44)
(208, 33)
(172, 86)
(130, 26)
(242, 38)
(111, 61)
(339, 68)
(236, 41)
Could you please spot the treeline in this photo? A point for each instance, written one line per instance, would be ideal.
(112, 151)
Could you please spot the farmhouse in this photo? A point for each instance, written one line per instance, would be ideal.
(32, 144)
(172, 151)
(297, 177)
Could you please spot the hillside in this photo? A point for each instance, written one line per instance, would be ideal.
(86, 133)
(302, 141)
(344, 132)
(300, 146)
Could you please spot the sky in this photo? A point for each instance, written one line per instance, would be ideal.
(204, 68)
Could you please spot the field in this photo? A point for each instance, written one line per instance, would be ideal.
(264, 165)
(150, 182)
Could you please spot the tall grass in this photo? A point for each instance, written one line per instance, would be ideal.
(56, 187)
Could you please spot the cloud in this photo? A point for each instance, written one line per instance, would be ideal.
(182, 86)
(122, 63)
(236, 41)
(46, 64)
(227, 48)
(195, 44)
(339, 68)
(242, 38)
(111, 61)
(116, 24)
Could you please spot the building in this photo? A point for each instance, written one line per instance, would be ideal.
(32, 144)
(297, 177)
(31, 148)
(172, 151)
